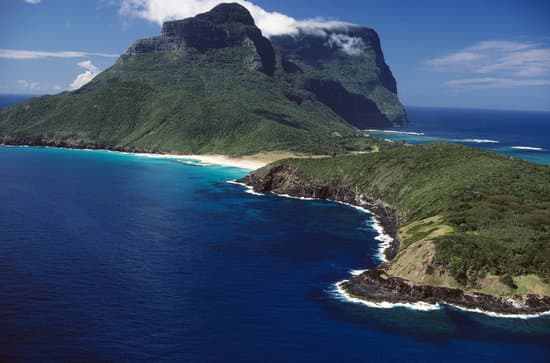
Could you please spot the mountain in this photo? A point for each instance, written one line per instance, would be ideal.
(470, 227)
(215, 84)
(346, 70)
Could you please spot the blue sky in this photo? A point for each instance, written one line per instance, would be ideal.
(470, 53)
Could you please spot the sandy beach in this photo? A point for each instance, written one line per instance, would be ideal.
(249, 162)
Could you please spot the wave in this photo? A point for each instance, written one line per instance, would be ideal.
(397, 132)
(338, 292)
(249, 189)
(476, 141)
(356, 272)
(499, 315)
(528, 148)
(192, 163)
(293, 197)
(466, 140)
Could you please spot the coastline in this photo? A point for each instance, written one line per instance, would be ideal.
(245, 162)
(339, 292)
(375, 288)
(386, 225)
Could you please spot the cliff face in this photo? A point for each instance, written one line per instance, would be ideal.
(227, 25)
(344, 68)
(351, 57)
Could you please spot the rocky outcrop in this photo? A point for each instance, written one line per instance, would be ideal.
(376, 285)
(283, 179)
(226, 25)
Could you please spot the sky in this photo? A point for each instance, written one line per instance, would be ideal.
(465, 54)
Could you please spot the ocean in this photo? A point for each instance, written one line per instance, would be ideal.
(114, 257)
(521, 134)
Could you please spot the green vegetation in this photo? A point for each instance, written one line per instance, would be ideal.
(217, 87)
(167, 102)
(493, 211)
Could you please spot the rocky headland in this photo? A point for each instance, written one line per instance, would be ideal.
(378, 285)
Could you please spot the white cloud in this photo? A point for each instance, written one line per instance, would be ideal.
(33, 1)
(454, 59)
(492, 82)
(503, 45)
(90, 72)
(271, 23)
(504, 63)
(37, 54)
(528, 63)
(28, 85)
(349, 45)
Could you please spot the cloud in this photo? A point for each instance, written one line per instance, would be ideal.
(503, 63)
(37, 54)
(90, 72)
(349, 45)
(28, 85)
(33, 1)
(454, 59)
(271, 23)
(492, 82)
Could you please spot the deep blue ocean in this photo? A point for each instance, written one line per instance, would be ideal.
(112, 257)
(521, 134)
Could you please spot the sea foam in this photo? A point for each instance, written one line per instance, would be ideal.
(249, 189)
(528, 148)
(338, 292)
(476, 141)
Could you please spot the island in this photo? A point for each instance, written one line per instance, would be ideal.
(468, 227)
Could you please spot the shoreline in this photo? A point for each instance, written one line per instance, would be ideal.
(374, 287)
(378, 222)
(384, 239)
(246, 162)
(340, 293)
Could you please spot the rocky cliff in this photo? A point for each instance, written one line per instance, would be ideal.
(351, 59)
(227, 25)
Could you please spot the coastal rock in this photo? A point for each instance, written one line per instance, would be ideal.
(376, 285)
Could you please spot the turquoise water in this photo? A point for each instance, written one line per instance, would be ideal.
(520, 134)
(112, 257)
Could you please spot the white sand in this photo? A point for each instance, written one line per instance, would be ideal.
(222, 160)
